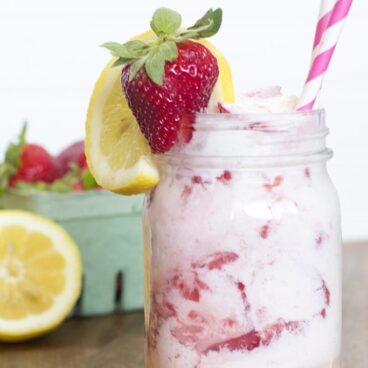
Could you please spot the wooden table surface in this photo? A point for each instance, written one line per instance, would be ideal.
(117, 341)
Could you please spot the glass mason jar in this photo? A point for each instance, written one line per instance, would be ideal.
(243, 247)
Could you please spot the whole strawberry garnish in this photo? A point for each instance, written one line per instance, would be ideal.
(26, 162)
(73, 154)
(167, 80)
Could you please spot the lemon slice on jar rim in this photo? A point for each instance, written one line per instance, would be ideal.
(118, 154)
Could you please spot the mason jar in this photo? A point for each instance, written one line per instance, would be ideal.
(243, 247)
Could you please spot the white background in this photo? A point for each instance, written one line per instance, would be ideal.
(49, 60)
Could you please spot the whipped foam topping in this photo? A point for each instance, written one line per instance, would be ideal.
(263, 100)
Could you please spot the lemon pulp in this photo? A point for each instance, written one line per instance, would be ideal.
(40, 275)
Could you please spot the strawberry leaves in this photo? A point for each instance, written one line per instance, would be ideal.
(87, 179)
(153, 55)
(165, 22)
(5, 173)
(168, 50)
(154, 66)
(12, 155)
(128, 51)
(12, 159)
(208, 25)
(137, 66)
(156, 60)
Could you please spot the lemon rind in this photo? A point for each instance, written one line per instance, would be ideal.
(38, 324)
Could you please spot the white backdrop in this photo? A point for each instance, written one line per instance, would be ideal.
(50, 59)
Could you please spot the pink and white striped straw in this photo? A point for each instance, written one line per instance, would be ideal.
(328, 32)
(326, 10)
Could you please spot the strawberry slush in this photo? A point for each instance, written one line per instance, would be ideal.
(243, 244)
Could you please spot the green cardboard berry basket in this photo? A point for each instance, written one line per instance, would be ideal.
(107, 229)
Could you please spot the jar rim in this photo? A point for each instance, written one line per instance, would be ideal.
(253, 139)
(276, 122)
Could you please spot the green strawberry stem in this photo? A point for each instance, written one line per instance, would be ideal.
(12, 159)
(88, 181)
(154, 54)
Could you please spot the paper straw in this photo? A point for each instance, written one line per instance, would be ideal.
(323, 55)
(326, 10)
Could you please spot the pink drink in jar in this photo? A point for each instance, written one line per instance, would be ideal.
(243, 247)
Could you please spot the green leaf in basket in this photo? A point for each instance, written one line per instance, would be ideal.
(88, 180)
(12, 160)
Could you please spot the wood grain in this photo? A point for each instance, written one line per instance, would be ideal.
(104, 342)
(117, 341)
(355, 306)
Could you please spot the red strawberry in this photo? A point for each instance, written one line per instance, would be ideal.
(189, 288)
(225, 177)
(187, 88)
(217, 260)
(27, 163)
(275, 330)
(168, 80)
(249, 341)
(187, 334)
(276, 183)
(72, 154)
(36, 164)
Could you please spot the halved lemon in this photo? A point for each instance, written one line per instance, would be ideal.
(40, 275)
(118, 154)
